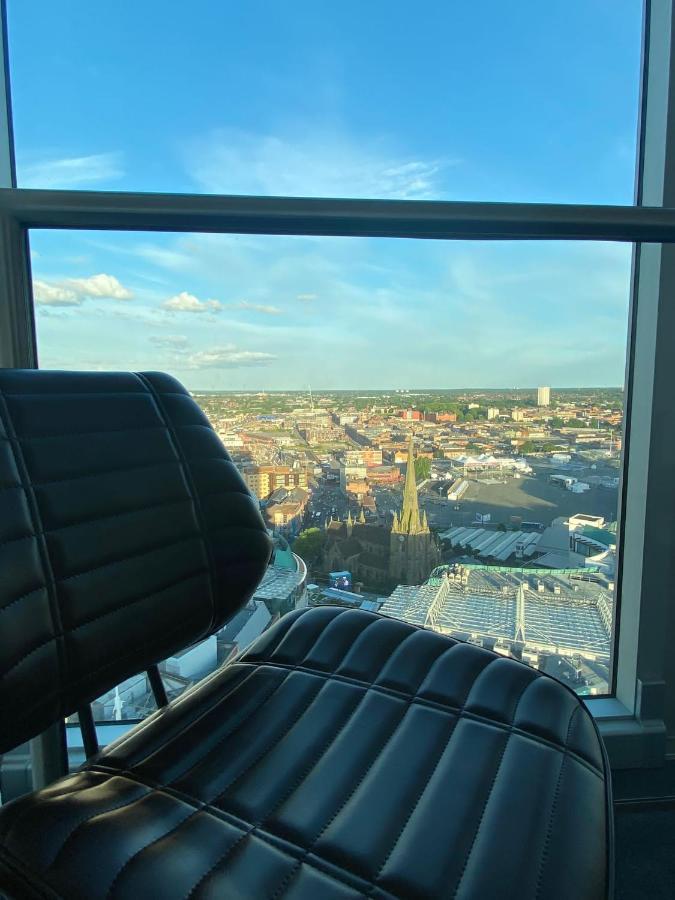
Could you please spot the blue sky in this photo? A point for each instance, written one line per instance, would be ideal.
(525, 101)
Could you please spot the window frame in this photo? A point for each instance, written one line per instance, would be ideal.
(632, 720)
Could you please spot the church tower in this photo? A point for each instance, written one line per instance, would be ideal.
(413, 551)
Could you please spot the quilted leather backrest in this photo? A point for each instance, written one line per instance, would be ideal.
(126, 534)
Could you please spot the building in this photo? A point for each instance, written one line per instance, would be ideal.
(194, 662)
(492, 412)
(243, 628)
(557, 620)
(384, 475)
(413, 552)
(517, 415)
(231, 440)
(382, 556)
(351, 472)
(286, 508)
(440, 417)
(543, 396)
(263, 480)
(367, 456)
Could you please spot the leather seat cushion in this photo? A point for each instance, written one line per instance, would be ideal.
(345, 754)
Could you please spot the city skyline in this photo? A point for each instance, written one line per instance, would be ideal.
(422, 389)
(468, 494)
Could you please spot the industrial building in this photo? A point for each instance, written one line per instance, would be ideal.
(531, 614)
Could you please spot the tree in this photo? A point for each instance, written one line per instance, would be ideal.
(527, 447)
(422, 468)
(309, 545)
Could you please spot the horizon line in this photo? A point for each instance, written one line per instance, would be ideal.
(398, 390)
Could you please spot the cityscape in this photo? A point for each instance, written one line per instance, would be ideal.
(487, 515)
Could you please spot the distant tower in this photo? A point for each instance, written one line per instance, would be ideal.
(413, 552)
(543, 396)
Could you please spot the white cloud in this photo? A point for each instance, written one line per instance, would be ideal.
(307, 298)
(53, 294)
(162, 256)
(71, 171)
(310, 164)
(100, 286)
(185, 302)
(72, 291)
(176, 342)
(228, 357)
(257, 307)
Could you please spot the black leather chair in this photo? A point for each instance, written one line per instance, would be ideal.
(343, 755)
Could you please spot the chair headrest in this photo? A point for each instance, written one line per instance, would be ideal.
(126, 534)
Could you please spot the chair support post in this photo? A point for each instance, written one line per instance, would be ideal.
(157, 686)
(88, 729)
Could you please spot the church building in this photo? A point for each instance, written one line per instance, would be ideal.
(381, 556)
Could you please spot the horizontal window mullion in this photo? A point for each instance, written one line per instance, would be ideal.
(342, 217)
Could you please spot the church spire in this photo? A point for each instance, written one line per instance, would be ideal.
(410, 514)
(362, 517)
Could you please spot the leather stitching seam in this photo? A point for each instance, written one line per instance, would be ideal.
(554, 805)
(434, 704)
(86, 819)
(46, 566)
(204, 533)
(390, 734)
(26, 712)
(254, 712)
(175, 704)
(36, 590)
(15, 540)
(228, 852)
(155, 548)
(432, 771)
(118, 515)
(486, 802)
(137, 853)
(209, 754)
(127, 603)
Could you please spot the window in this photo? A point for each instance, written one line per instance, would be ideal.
(316, 360)
(556, 125)
(519, 102)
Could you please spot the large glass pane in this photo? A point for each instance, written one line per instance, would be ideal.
(492, 100)
(327, 364)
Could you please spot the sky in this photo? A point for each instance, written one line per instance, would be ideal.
(525, 101)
